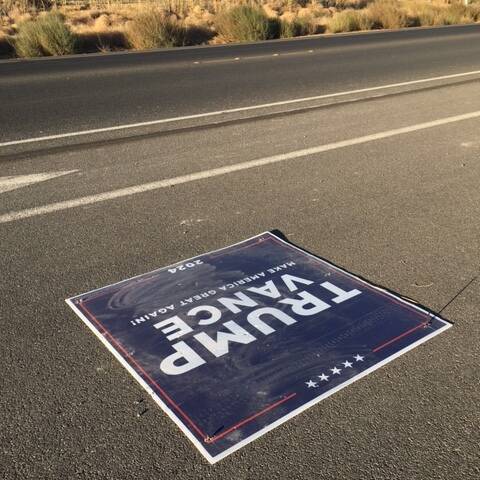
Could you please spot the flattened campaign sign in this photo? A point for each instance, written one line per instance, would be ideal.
(235, 342)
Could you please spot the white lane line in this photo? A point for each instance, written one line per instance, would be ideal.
(18, 181)
(234, 110)
(215, 172)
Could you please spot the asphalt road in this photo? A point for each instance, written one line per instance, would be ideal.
(52, 96)
(386, 187)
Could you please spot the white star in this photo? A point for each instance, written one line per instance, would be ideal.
(358, 358)
(311, 384)
(335, 370)
(323, 377)
(347, 364)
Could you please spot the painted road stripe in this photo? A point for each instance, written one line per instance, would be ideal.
(215, 172)
(234, 110)
(8, 184)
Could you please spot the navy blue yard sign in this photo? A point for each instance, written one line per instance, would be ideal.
(237, 341)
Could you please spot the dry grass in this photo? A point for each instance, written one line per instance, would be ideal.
(392, 14)
(299, 27)
(24, 5)
(349, 21)
(386, 14)
(245, 23)
(430, 15)
(47, 35)
(155, 28)
(106, 25)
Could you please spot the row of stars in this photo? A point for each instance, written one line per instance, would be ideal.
(335, 371)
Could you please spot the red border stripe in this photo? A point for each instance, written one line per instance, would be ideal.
(144, 373)
(398, 337)
(190, 422)
(249, 419)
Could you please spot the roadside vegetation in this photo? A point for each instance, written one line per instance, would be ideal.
(30, 28)
(152, 29)
(46, 35)
(244, 23)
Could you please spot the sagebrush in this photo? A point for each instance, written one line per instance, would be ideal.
(154, 29)
(47, 35)
(246, 23)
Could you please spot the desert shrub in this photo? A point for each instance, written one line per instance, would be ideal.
(299, 3)
(455, 14)
(298, 27)
(387, 14)
(474, 11)
(27, 41)
(46, 35)
(345, 4)
(5, 7)
(154, 29)
(426, 15)
(449, 15)
(349, 21)
(55, 37)
(287, 29)
(24, 5)
(245, 23)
